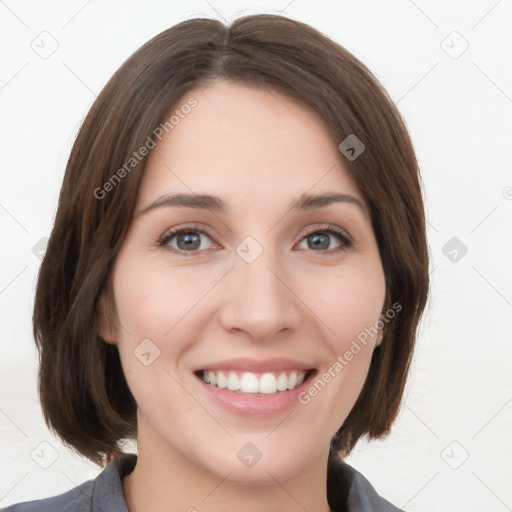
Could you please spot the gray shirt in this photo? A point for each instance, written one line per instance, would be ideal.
(347, 491)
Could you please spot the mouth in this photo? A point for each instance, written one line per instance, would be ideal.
(254, 388)
(256, 383)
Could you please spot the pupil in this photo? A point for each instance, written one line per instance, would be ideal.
(191, 241)
(318, 242)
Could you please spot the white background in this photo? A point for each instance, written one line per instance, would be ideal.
(458, 111)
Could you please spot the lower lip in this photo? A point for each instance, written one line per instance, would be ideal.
(255, 405)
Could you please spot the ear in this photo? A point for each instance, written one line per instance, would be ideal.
(107, 329)
(380, 336)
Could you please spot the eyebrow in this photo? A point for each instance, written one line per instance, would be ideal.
(216, 204)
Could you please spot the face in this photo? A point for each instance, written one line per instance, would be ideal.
(259, 291)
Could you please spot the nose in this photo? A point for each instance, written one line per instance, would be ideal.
(259, 300)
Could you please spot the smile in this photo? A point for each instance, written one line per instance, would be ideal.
(251, 382)
(254, 388)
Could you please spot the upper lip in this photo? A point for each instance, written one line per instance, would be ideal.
(254, 365)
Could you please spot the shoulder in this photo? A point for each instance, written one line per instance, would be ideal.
(77, 499)
(358, 495)
(105, 492)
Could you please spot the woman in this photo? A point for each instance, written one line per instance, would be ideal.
(235, 275)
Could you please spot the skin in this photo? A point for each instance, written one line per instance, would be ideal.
(258, 150)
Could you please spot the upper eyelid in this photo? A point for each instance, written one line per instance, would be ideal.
(170, 233)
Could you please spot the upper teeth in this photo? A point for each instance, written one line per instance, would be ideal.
(250, 382)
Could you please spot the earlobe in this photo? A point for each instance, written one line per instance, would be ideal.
(380, 336)
(106, 329)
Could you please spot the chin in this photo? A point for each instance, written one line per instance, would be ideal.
(258, 459)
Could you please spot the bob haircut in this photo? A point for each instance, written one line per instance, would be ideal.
(84, 396)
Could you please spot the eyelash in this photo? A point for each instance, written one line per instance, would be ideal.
(346, 241)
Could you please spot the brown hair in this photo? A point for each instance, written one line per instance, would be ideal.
(83, 392)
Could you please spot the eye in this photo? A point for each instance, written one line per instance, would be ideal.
(320, 240)
(189, 241)
(186, 240)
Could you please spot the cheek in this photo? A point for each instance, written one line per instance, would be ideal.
(349, 304)
(158, 308)
(350, 309)
(152, 299)
(152, 305)
(148, 306)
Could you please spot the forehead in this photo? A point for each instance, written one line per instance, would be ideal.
(245, 142)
